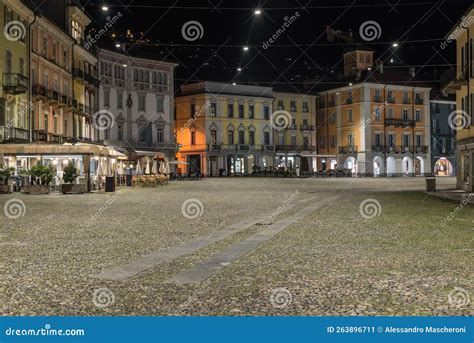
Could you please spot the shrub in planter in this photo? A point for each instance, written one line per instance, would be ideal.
(69, 177)
(41, 177)
(4, 177)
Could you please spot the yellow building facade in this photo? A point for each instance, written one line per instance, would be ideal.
(463, 85)
(15, 19)
(224, 129)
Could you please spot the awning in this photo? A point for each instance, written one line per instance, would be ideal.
(177, 162)
(58, 149)
(157, 154)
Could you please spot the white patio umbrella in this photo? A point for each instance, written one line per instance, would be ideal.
(98, 169)
(138, 171)
(162, 167)
(167, 168)
(104, 168)
(154, 168)
(147, 168)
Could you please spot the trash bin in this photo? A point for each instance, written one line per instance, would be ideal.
(128, 180)
(430, 184)
(110, 183)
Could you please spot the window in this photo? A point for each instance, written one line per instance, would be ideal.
(65, 126)
(405, 114)
(159, 104)
(45, 47)
(22, 66)
(391, 139)
(241, 137)
(418, 115)
(377, 112)
(266, 138)
(230, 110)
(192, 113)
(266, 112)
(390, 113)
(8, 62)
(418, 140)
(106, 97)
(64, 57)
(213, 137)
(141, 102)
(119, 100)
(333, 141)
(280, 105)
(120, 132)
(53, 57)
(252, 138)
(305, 142)
(333, 118)
(193, 137)
(349, 114)
(293, 140)
(76, 29)
(293, 106)
(305, 106)
(213, 110)
(251, 112)
(159, 135)
(378, 139)
(406, 140)
(241, 111)
(350, 140)
(230, 137)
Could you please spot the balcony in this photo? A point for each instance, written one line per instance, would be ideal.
(64, 101)
(348, 149)
(74, 104)
(418, 101)
(305, 109)
(453, 79)
(39, 91)
(288, 148)
(293, 127)
(214, 147)
(90, 79)
(292, 109)
(14, 83)
(379, 148)
(349, 101)
(400, 122)
(422, 149)
(13, 134)
(406, 101)
(53, 96)
(307, 127)
(377, 98)
(78, 74)
(391, 100)
(267, 147)
(80, 107)
(244, 147)
(40, 136)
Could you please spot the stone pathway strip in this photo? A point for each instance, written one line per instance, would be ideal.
(156, 258)
(217, 262)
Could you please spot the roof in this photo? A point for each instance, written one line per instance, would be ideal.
(226, 88)
(460, 22)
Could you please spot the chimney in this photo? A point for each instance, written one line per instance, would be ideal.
(411, 71)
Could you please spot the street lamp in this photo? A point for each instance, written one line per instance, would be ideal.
(239, 69)
(246, 48)
(395, 45)
(258, 11)
(105, 8)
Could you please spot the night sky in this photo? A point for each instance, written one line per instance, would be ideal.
(300, 53)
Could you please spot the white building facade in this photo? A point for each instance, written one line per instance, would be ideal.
(139, 94)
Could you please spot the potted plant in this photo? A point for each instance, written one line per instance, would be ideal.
(41, 177)
(4, 177)
(69, 178)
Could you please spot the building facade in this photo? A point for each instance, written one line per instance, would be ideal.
(443, 137)
(15, 122)
(463, 85)
(375, 129)
(224, 129)
(140, 95)
(295, 146)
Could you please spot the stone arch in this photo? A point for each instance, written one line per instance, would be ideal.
(391, 166)
(407, 166)
(378, 166)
